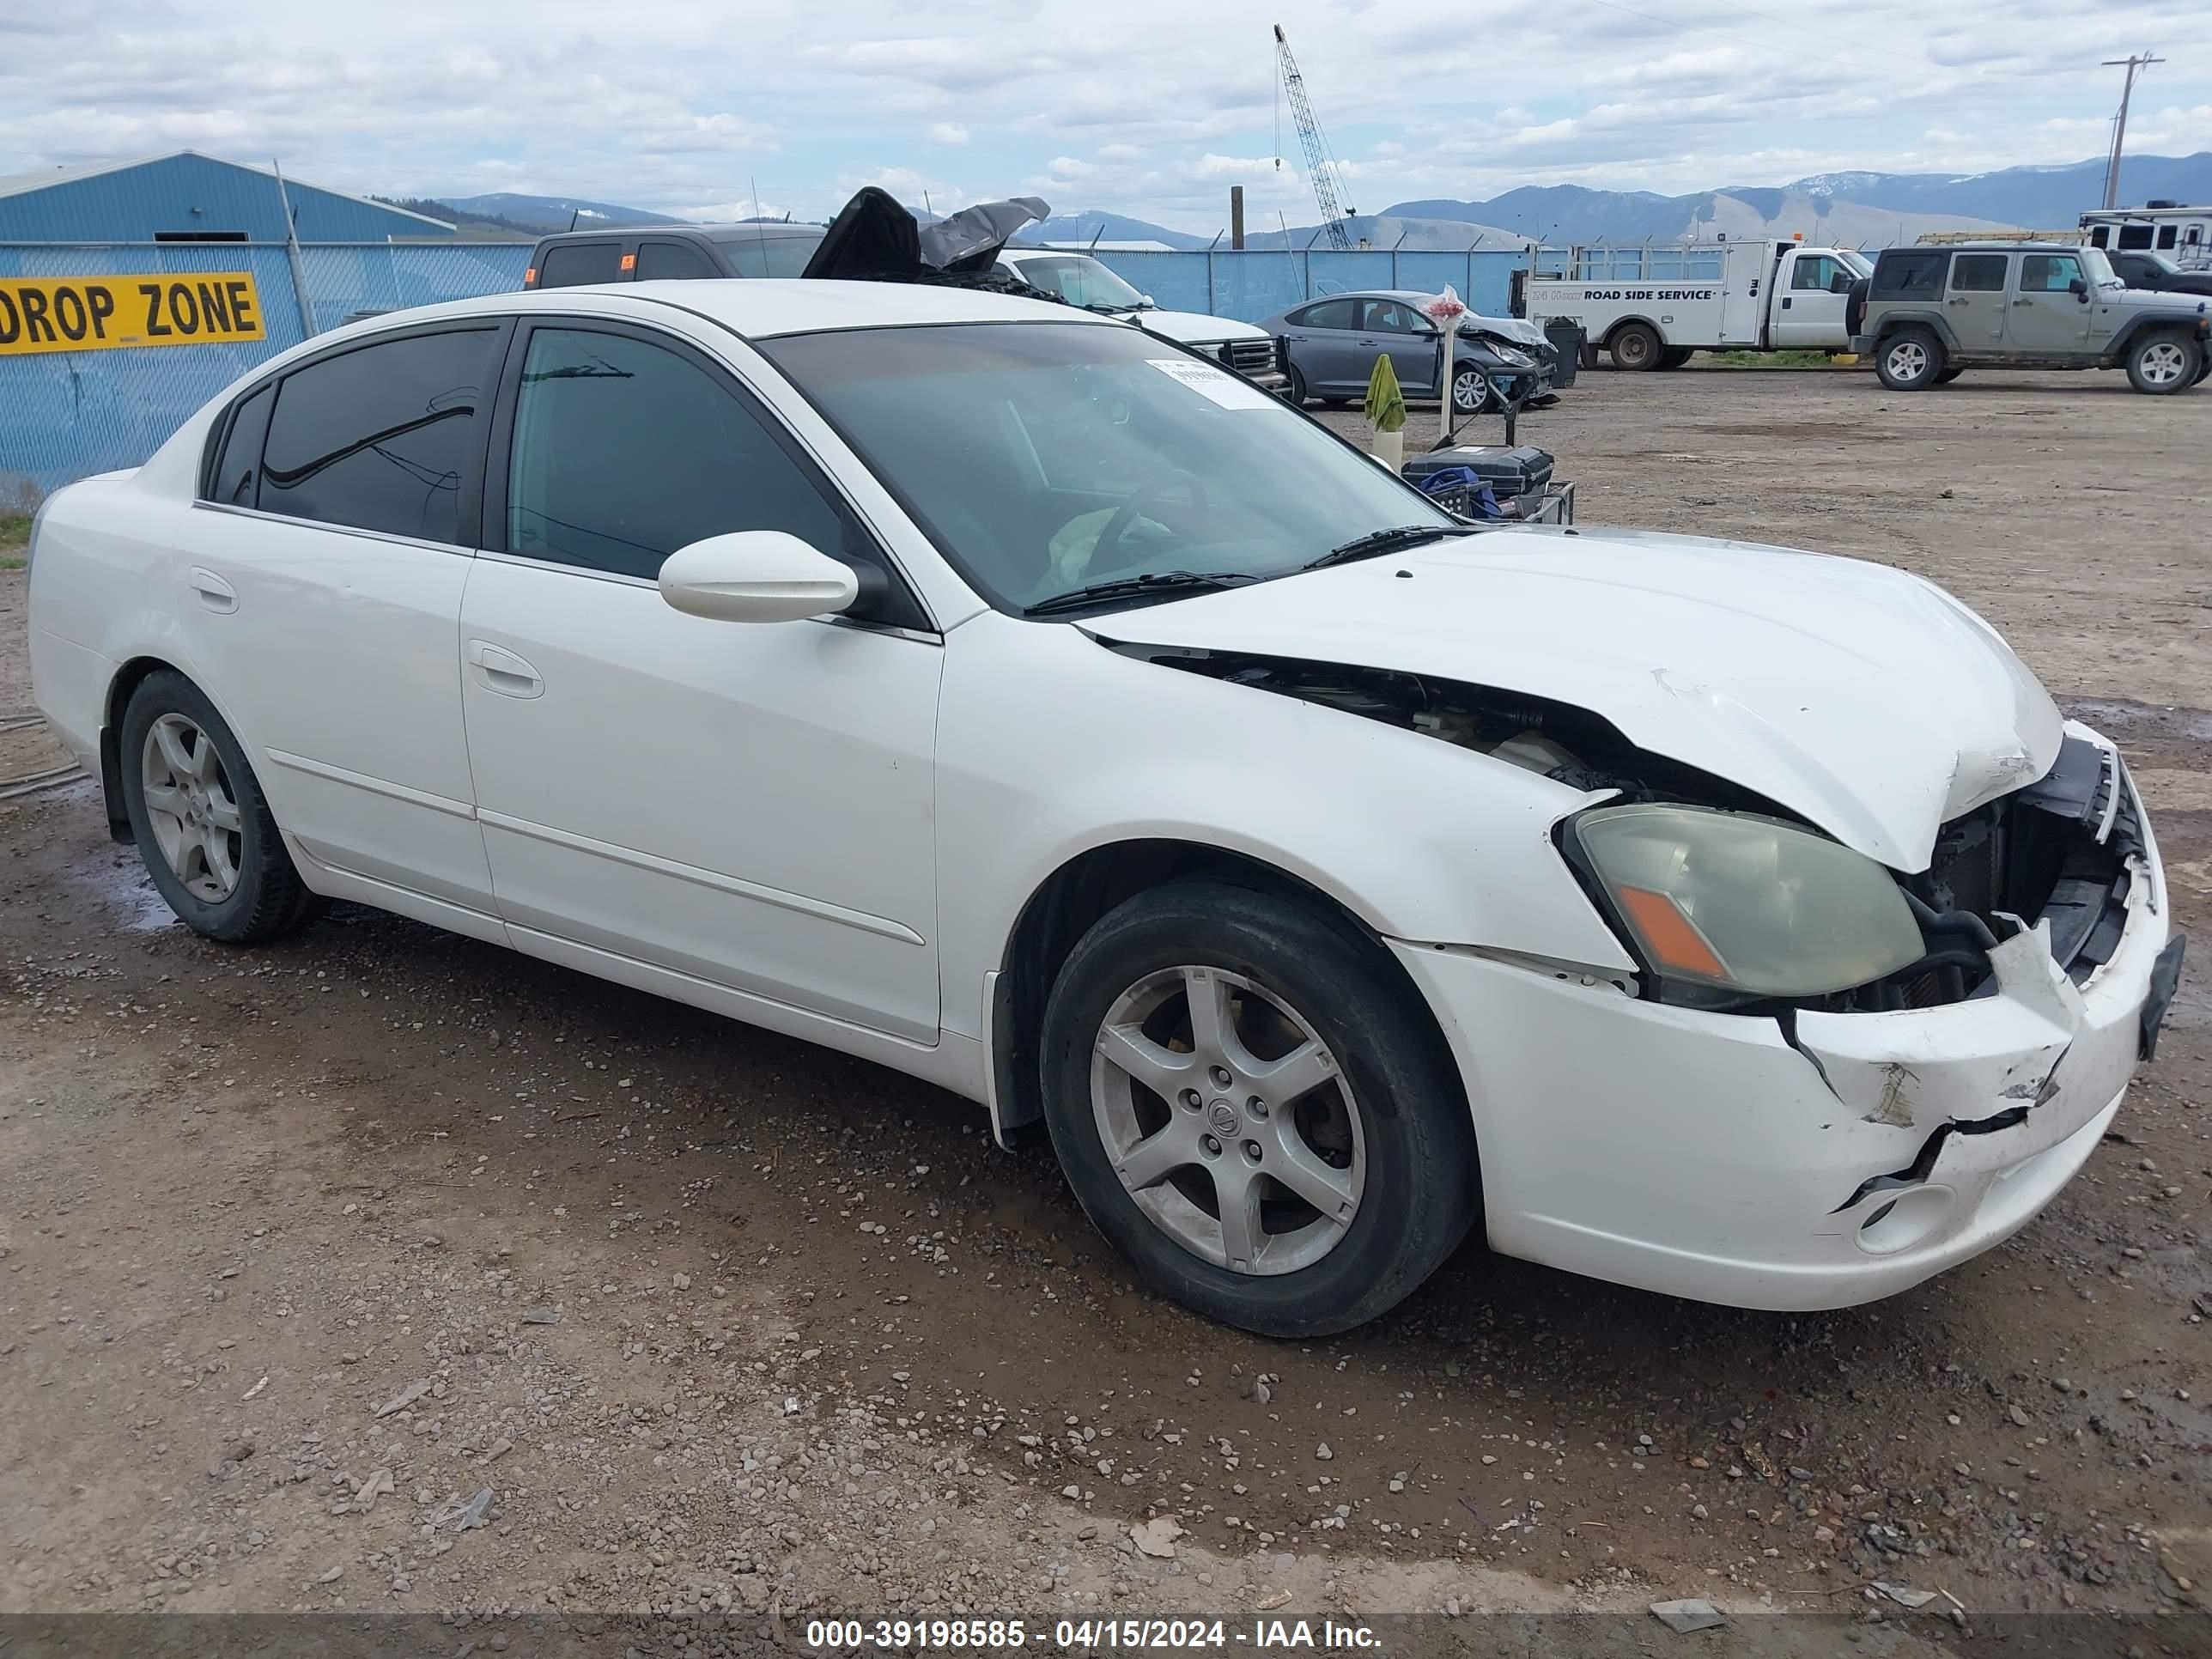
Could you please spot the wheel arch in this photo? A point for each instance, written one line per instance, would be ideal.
(1613, 332)
(1072, 898)
(1896, 322)
(2131, 332)
(128, 677)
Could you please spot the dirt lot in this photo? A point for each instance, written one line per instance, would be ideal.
(303, 1248)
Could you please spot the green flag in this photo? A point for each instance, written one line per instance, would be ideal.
(1386, 404)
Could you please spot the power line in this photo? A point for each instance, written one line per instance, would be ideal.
(1841, 40)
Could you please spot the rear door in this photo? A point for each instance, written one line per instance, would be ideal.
(332, 557)
(1810, 289)
(2046, 318)
(1978, 298)
(1322, 338)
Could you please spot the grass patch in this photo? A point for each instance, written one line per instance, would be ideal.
(14, 537)
(1768, 360)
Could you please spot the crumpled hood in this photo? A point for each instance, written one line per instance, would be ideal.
(1863, 698)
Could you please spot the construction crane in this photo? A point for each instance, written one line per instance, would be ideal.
(1319, 164)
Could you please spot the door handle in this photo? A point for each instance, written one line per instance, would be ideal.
(215, 594)
(1785, 302)
(500, 670)
(2023, 302)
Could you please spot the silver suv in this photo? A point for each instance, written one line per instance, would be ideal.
(1929, 313)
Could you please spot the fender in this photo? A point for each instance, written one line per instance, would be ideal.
(1414, 837)
(2163, 318)
(1893, 320)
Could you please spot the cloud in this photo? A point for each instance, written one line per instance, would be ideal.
(1151, 109)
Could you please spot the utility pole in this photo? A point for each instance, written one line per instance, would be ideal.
(2135, 61)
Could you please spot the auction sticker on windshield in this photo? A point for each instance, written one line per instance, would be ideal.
(1218, 383)
(100, 313)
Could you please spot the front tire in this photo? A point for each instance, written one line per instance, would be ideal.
(1910, 360)
(1254, 1108)
(1296, 391)
(1636, 346)
(1472, 393)
(199, 817)
(2160, 365)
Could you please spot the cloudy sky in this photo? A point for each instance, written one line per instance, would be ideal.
(1146, 107)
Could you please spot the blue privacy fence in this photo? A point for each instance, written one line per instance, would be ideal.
(1253, 285)
(65, 414)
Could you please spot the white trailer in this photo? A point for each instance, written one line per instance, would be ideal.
(1652, 306)
(2183, 234)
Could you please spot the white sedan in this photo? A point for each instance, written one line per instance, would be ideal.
(1010, 698)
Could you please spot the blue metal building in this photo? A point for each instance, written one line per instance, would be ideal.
(190, 198)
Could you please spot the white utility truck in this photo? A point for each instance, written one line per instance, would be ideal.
(1652, 304)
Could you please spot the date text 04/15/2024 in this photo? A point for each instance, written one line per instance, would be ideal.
(1089, 1635)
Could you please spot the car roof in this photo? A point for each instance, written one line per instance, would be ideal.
(759, 307)
(776, 231)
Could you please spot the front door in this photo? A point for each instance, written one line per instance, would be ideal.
(1978, 301)
(1406, 337)
(746, 805)
(1809, 309)
(346, 499)
(2046, 318)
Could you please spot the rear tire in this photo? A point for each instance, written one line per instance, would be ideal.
(1636, 346)
(1202, 986)
(201, 821)
(1674, 356)
(2162, 364)
(1909, 360)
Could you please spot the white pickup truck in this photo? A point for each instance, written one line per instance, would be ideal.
(1651, 306)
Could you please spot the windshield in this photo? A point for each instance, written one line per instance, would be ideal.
(1081, 281)
(1860, 265)
(2100, 268)
(1042, 458)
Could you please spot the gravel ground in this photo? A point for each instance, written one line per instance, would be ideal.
(381, 1269)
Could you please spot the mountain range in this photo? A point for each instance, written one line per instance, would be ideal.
(1848, 209)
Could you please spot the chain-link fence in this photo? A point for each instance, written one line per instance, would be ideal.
(74, 402)
(78, 400)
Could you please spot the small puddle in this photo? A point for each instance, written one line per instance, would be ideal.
(2120, 718)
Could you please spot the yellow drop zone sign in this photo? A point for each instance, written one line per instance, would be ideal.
(99, 313)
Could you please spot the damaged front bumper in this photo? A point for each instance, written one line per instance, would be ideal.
(1816, 1161)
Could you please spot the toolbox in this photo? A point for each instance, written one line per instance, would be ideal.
(1509, 470)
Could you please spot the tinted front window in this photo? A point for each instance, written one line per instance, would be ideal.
(657, 260)
(1329, 313)
(1978, 273)
(379, 438)
(755, 255)
(1045, 457)
(571, 265)
(238, 469)
(1909, 274)
(2048, 273)
(625, 452)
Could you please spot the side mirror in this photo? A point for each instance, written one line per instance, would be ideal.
(756, 576)
(2079, 289)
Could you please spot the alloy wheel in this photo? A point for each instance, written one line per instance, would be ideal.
(2162, 364)
(195, 817)
(1228, 1121)
(1908, 359)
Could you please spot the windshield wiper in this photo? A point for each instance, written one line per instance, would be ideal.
(1393, 540)
(1122, 588)
(1107, 309)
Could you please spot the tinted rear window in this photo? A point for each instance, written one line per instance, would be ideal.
(783, 254)
(1979, 273)
(657, 260)
(379, 437)
(570, 264)
(1909, 274)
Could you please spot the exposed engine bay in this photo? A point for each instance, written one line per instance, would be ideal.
(2056, 851)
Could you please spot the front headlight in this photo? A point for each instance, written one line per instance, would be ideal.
(1725, 905)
